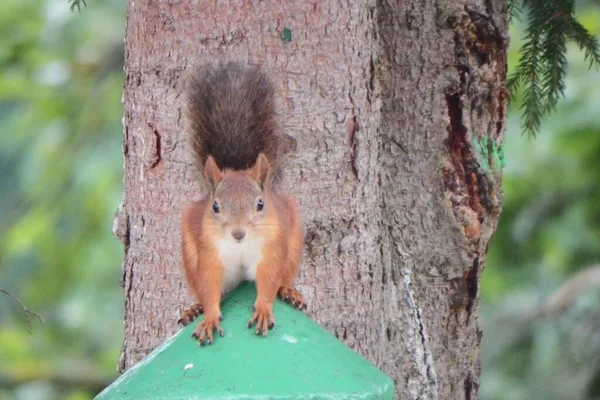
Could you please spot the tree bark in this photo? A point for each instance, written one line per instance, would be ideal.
(398, 110)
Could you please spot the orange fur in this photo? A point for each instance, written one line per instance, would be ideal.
(278, 229)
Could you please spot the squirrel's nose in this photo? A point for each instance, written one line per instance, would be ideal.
(238, 234)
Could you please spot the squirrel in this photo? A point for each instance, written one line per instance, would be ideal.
(243, 229)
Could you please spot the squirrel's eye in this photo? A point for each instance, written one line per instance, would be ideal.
(216, 207)
(260, 205)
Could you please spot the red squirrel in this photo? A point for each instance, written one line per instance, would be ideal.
(243, 229)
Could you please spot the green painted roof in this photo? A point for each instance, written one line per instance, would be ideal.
(297, 360)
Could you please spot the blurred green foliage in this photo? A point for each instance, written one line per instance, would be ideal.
(60, 182)
(61, 78)
(548, 231)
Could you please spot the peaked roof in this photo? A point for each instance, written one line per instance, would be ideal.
(297, 360)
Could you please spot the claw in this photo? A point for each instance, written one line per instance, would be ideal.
(292, 297)
(263, 318)
(204, 331)
(190, 313)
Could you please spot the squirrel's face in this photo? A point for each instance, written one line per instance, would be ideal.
(238, 201)
(238, 205)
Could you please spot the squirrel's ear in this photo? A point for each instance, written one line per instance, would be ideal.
(213, 173)
(260, 171)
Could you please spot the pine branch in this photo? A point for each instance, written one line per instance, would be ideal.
(585, 41)
(528, 72)
(76, 4)
(554, 46)
(543, 65)
(26, 310)
(514, 9)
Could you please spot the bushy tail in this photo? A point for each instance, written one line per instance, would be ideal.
(232, 116)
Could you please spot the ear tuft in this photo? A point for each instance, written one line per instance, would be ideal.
(212, 172)
(260, 171)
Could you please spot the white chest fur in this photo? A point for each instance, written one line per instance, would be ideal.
(239, 259)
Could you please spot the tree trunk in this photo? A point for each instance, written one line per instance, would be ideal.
(398, 110)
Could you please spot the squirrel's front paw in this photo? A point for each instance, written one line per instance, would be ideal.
(204, 330)
(263, 316)
(190, 314)
(292, 297)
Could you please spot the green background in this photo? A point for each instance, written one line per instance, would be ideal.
(61, 79)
